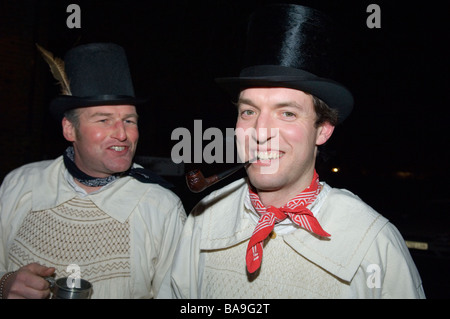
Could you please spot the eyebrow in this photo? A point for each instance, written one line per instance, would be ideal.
(110, 114)
(278, 105)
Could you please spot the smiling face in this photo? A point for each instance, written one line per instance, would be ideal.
(285, 139)
(105, 140)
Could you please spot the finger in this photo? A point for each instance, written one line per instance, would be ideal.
(40, 270)
(28, 277)
(29, 293)
(28, 285)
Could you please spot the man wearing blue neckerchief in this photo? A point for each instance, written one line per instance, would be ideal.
(92, 207)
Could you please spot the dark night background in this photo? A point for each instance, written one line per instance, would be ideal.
(391, 151)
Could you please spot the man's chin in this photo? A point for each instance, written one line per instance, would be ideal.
(264, 171)
(266, 182)
(119, 168)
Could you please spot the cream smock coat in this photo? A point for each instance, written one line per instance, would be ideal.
(125, 233)
(365, 257)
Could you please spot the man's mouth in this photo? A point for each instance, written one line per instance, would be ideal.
(117, 148)
(268, 155)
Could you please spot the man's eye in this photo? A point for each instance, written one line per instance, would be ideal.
(288, 114)
(247, 112)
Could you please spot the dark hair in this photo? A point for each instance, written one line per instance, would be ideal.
(73, 117)
(324, 113)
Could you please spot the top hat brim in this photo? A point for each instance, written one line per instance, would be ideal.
(334, 94)
(64, 103)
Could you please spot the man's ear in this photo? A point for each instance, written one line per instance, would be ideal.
(68, 130)
(325, 131)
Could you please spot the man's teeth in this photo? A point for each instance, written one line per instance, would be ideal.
(118, 148)
(268, 155)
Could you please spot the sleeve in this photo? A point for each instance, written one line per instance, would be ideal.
(156, 227)
(15, 201)
(172, 230)
(3, 232)
(185, 276)
(390, 269)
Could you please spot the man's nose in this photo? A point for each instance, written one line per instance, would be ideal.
(119, 131)
(264, 130)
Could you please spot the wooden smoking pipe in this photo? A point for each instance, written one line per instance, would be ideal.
(198, 183)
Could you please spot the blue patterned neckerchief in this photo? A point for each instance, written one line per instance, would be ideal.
(141, 174)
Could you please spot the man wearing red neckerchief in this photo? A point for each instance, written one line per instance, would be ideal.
(281, 232)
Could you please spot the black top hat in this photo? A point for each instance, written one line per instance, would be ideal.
(291, 46)
(98, 74)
